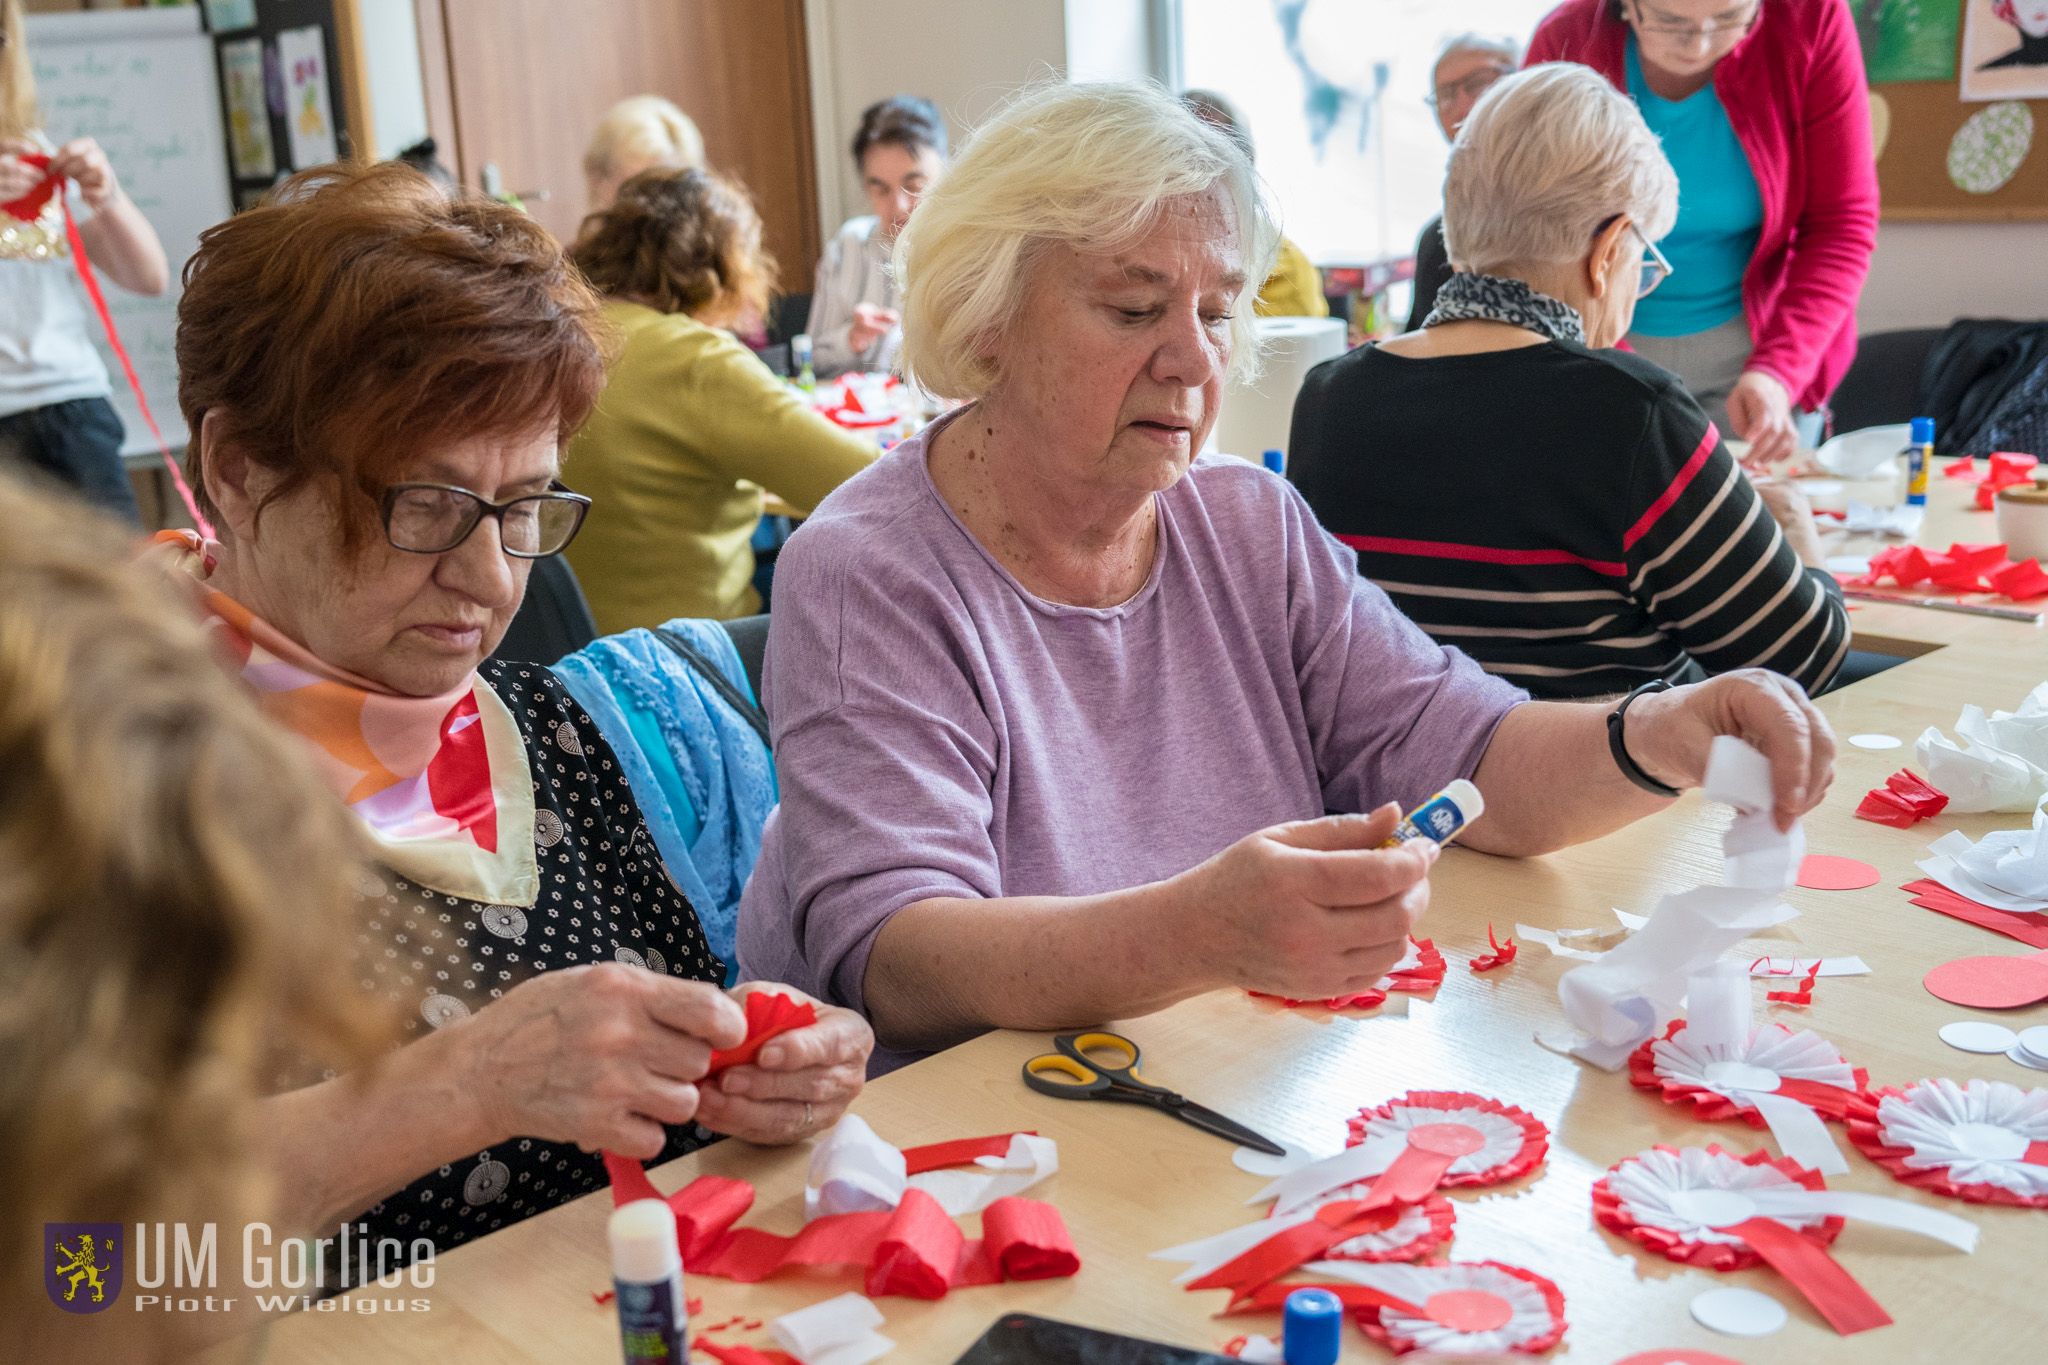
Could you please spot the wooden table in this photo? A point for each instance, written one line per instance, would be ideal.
(1132, 1182)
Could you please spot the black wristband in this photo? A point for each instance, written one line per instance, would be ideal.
(1619, 749)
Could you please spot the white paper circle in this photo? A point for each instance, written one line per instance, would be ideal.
(1877, 741)
(1710, 1208)
(1988, 1141)
(1738, 1312)
(1740, 1076)
(1987, 150)
(2026, 1059)
(2035, 1041)
(1978, 1035)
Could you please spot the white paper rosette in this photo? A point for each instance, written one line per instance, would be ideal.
(1531, 1318)
(1979, 1132)
(1773, 1052)
(1673, 1191)
(1384, 1137)
(1417, 1223)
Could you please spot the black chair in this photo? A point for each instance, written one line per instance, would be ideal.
(554, 620)
(1883, 386)
(788, 315)
(750, 637)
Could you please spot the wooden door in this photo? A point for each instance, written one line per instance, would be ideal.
(519, 84)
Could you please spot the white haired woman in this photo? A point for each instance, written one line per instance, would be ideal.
(1467, 66)
(1596, 534)
(1059, 707)
(643, 133)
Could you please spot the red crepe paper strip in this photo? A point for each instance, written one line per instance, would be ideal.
(1903, 801)
(960, 1152)
(915, 1250)
(1501, 955)
(737, 1354)
(1866, 1131)
(1965, 468)
(769, 1015)
(26, 208)
(1803, 996)
(2007, 468)
(1424, 977)
(2031, 930)
(2022, 581)
(1962, 567)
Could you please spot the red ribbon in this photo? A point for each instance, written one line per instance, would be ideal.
(2027, 929)
(1501, 955)
(960, 1152)
(736, 1354)
(1832, 1290)
(26, 208)
(1273, 1297)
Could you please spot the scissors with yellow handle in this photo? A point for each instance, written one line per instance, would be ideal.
(1104, 1066)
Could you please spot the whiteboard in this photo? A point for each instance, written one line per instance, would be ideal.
(142, 82)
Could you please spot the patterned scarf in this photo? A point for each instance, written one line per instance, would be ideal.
(440, 783)
(1492, 298)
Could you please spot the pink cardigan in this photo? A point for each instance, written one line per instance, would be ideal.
(1796, 95)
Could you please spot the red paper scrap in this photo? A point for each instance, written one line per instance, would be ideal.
(960, 1152)
(1903, 801)
(1967, 568)
(601, 1298)
(1501, 955)
(2022, 581)
(769, 1015)
(1802, 996)
(1965, 468)
(1990, 983)
(737, 1354)
(2031, 930)
(2007, 468)
(1424, 977)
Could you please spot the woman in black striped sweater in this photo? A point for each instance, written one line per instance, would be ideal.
(1564, 513)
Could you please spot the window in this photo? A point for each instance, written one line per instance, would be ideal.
(1334, 92)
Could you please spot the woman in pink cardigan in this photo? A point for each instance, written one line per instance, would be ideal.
(1763, 110)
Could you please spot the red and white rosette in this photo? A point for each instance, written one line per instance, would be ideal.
(1983, 1141)
(1419, 972)
(1711, 1208)
(1413, 1232)
(1777, 1078)
(1487, 1142)
(1459, 1308)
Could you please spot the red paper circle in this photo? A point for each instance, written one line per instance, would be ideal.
(1825, 872)
(1446, 1139)
(1990, 983)
(1469, 1310)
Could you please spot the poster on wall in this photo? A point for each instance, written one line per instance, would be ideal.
(302, 52)
(2005, 50)
(1908, 40)
(241, 75)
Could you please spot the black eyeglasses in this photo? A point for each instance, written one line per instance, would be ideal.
(1712, 30)
(1472, 86)
(434, 518)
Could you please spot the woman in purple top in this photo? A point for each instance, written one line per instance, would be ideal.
(1059, 708)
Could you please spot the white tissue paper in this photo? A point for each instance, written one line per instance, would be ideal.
(838, 1331)
(970, 1189)
(2002, 762)
(853, 1171)
(1902, 522)
(1719, 1021)
(1616, 1003)
(2006, 870)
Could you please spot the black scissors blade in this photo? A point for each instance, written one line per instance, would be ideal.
(1209, 1121)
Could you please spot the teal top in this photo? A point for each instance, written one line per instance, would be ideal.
(1720, 212)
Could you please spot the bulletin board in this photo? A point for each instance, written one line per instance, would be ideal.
(280, 87)
(1970, 146)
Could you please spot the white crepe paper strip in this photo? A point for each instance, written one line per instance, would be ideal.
(963, 1190)
(1618, 1002)
(1978, 1131)
(1720, 1050)
(1880, 1210)
(1386, 1139)
(839, 1331)
(1416, 1284)
(2006, 869)
(1252, 1161)
(2001, 763)
(1529, 933)
(1796, 968)
(853, 1171)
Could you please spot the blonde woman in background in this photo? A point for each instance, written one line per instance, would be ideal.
(54, 414)
(175, 916)
(639, 134)
(1295, 286)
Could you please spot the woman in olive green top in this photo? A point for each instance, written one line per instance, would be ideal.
(692, 427)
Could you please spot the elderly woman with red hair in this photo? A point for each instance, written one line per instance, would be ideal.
(379, 380)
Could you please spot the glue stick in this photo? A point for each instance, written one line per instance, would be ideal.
(647, 1275)
(1919, 455)
(1441, 817)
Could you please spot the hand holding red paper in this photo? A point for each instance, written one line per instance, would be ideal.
(807, 1063)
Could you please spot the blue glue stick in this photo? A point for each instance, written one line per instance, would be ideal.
(1441, 817)
(1313, 1322)
(647, 1274)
